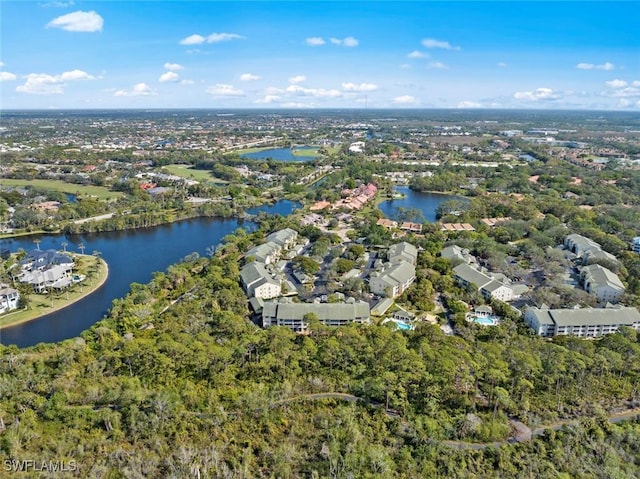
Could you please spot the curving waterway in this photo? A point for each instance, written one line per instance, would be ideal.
(133, 256)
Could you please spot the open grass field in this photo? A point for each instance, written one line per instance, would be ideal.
(99, 192)
(189, 172)
(306, 152)
(42, 304)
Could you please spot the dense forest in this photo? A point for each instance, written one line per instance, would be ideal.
(177, 382)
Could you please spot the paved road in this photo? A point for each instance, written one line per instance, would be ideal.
(95, 218)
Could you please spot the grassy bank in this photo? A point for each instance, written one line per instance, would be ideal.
(43, 304)
(56, 185)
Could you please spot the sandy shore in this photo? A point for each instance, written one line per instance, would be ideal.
(23, 316)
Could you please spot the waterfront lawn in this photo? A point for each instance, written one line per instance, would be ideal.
(99, 192)
(189, 172)
(42, 304)
(305, 152)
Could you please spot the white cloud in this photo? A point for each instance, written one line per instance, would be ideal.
(433, 43)
(6, 76)
(45, 84)
(221, 89)
(636, 83)
(404, 100)
(539, 94)
(405, 66)
(345, 42)
(272, 90)
(360, 87)
(616, 83)
(1, 64)
(70, 3)
(187, 82)
(315, 41)
(313, 92)
(76, 75)
(78, 22)
(293, 104)
(418, 54)
(297, 79)
(350, 42)
(139, 89)
(268, 99)
(502, 64)
(194, 39)
(249, 77)
(437, 66)
(174, 67)
(223, 37)
(623, 103)
(592, 66)
(169, 77)
(469, 104)
(623, 92)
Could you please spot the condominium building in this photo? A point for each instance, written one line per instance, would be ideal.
(583, 323)
(602, 283)
(393, 280)
(258, 282)
(490, 286)
(295, 315)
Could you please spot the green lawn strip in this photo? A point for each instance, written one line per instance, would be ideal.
(56, 185)
(189, 172)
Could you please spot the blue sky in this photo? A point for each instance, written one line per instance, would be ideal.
(294, 54)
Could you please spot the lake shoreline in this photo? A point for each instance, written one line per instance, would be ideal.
(102, 279)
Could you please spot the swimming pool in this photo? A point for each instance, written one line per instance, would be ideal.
(400, 324)
(485, 320)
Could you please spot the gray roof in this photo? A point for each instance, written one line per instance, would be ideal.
(261, 251)
(282, 236)
(257, 304)
(403, 252)
(582, 242)
(46, 257)
(471, 275)
(588, 316)
(254, 272)
(596, 254)
(325, 311)
(600, 276)
(493, 285)
(382, 306)
(398, 273)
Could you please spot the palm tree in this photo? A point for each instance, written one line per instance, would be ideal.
(81, 247)
(64, 246)
(37, 241)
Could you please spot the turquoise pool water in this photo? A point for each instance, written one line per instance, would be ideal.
(488, 321)
(402, 325)
(399, 324)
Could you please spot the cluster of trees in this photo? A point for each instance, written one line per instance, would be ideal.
(176, 380)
